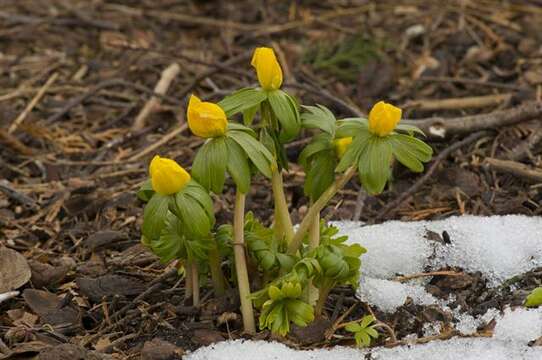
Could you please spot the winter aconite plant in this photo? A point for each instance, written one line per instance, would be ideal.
(292, 269)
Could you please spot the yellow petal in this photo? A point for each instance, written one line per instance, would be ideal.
(267, 68)
(206, 119)
(383, 118)
(341, 145)
(167, 177)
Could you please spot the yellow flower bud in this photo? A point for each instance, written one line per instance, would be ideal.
(167, 177)
(267, 68)
(206, 119)
(341, 145)
(383, 118)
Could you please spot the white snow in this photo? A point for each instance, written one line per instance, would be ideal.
(457, 348)
(519, 325)
(389, 295)
(500, 247)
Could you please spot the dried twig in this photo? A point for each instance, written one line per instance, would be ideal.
(515, 168)
(167, 77)
(443, 128)
(32, 103)
(432, 273)
(395, 204)
(470, 102)
(164, 140)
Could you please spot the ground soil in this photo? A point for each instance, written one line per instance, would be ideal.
(70, 168)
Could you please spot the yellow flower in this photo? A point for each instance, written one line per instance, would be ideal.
(206, 119)
(341, 145)
(167, 177)
(383, 118)
(267, 68)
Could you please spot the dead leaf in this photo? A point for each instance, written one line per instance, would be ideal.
(107, 285)
(14, 270)
(158, 349)
(65, 317)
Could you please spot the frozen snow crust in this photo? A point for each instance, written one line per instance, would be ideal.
(499, 247)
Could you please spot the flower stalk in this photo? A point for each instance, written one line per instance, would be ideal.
(314, 241)
(317, 207)
(241, 264)
(283, 222)
(217, 277)
(195, 283)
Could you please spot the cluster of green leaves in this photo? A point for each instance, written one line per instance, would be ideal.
(339, 263)
(281, 121)
(235, 153)
(178, 226)
(373, 155)
(364, 331)
(264, 248)
(284, 306)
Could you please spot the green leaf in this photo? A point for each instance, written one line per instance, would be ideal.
(321, 174)
(409, 151)
(195, 219)
(238, 166)
(145, 192)
(410, 129)
(256, 152)
(198, 193)
(154, 216)
(534, 299)
(248, 115)
(350, 127)
(374, 165)
(318, 143)
(367, 320)
(170, 244)
(242, 100)
(418, 148)
(286, 110)
(319, 117)
(354, 151)
(353, 327)
(209, 167)
(241, 127)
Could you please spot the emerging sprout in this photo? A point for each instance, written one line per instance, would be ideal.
(364, 331)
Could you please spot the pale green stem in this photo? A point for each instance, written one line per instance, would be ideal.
(314, 241)
(241, 264)
(195, 283)
(317, 207)
(282, 214)
(322, 297)
(187, 279)
(217, 277)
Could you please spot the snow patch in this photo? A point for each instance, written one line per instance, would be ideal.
(458, 348)
(389, 295)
